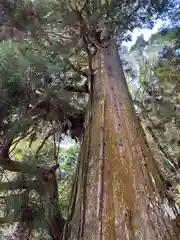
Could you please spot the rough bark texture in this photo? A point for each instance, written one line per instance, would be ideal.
(120, 191)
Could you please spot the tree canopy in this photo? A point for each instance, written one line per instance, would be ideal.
(46, 52)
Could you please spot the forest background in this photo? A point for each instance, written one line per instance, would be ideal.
(46, 70)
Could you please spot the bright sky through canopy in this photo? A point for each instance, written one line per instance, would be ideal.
(145, 31)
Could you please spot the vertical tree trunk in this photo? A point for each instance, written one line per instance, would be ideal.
(119, 186)
(55, 218)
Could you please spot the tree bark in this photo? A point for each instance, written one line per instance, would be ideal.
(120, 192)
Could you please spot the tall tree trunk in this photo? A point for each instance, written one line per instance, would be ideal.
(119, 189)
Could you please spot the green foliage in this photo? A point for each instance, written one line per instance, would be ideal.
(22, 200)
(16, 60)
(68, 163)
(69, 157)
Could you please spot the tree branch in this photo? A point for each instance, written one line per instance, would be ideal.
(23, 167)
(6, 146)
(83, 73)
(59, 35)
(50, 133)
(83, 6)
(79, 89)
(14, 166)
(7, 219)
(5, 186)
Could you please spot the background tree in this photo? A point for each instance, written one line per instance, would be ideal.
(157, 101)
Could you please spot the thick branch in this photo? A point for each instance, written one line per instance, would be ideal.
(5, 186)
(14, 166)
(5, 220)
(79, 89)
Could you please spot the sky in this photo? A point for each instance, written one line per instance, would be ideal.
(159, 23)
(145, 31)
